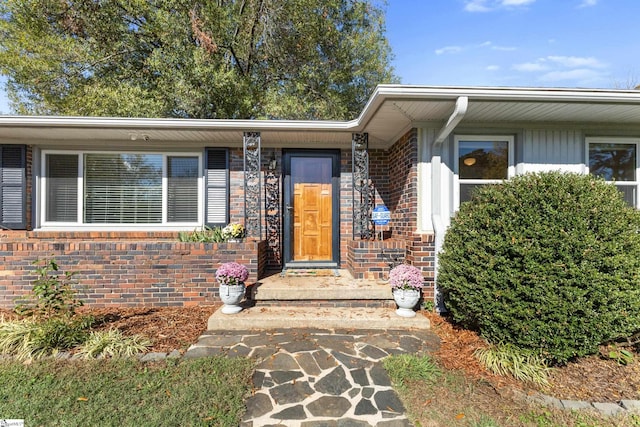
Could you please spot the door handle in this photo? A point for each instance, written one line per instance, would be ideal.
(289, 207)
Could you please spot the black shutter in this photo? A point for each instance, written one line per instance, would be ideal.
(217, 185)
(13, 187)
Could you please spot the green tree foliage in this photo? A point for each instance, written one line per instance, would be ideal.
(547, 262)
(294, 59)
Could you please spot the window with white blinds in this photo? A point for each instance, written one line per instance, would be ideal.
(182, 174)
(62, 187)
(123, 188)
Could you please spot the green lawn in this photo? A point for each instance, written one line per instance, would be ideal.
(208, 391)
(435, 397)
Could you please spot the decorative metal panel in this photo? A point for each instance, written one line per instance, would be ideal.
(273, 209)
(362, 188)
(252, 187)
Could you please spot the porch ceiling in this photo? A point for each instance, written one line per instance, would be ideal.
(391, 111)
(154, 136)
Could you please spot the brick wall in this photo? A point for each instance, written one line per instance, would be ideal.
(125, 269)
(236, 185)
(370, 259)
(403, 203)
(346, 205)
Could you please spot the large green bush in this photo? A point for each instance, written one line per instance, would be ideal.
(547, 262)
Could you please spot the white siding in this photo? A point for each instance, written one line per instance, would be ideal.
(544, 150)
(425, 179)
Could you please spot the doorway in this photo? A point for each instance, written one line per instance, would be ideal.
(311, 208)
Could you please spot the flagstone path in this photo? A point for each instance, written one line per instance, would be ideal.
(319, 377)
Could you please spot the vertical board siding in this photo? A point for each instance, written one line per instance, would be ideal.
(544, 150)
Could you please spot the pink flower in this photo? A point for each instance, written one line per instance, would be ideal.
(405, 276)
(231, 273)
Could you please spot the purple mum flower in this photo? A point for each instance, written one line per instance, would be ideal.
(231, 273)
(406, 276)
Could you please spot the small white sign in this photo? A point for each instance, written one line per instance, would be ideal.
(11, 423)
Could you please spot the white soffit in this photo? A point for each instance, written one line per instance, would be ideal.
(390, 111)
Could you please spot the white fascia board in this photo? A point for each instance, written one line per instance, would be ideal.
(381, 94)
(508, 94)
(176, 124)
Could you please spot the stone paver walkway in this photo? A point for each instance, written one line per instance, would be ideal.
(321, 377)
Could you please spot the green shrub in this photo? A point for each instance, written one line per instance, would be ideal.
(113, 343)
(508, 360)
(53, 293)
(409, 367)
(205, 235)
(547, 262)
(32, 338)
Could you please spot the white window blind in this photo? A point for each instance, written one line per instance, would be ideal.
(182, 197)
(122, 188)
(62, 187)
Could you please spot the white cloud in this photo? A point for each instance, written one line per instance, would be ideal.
(555, 61)
(576, 61)
(582, 75)
(588, 3)
(557, 68)
(489, 5)
(448, 49)
(476, 6)
(493, 68)
(516, 2)
(483, 45)
(531, 66)
(504, 48)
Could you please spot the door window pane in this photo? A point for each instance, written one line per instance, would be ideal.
(315, 170)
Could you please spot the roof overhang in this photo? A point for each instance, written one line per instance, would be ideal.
(389, 113)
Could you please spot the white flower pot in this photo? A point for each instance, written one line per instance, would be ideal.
(231, 295)
(406, 299)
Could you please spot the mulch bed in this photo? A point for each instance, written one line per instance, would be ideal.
(591, 378)
(169, 328)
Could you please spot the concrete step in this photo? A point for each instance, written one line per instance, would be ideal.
(265, 318)
(339, 287)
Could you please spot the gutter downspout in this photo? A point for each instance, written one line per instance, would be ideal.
(462, 103)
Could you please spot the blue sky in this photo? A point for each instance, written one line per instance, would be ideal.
(532, 43)
(525, 43)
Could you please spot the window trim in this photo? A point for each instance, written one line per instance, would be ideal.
(511, 168)
(617, 140)
(164, 225)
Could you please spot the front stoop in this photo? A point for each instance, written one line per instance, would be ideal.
(310, 317)
(327, 302)
(342, 287)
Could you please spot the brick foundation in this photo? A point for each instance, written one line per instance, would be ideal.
(125, 269)
(370, 259)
